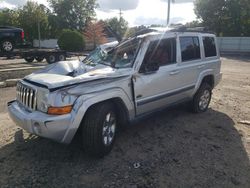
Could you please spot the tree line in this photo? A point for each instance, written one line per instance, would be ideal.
(63, 14)
(225, 17)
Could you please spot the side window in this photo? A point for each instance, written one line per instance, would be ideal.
(209, 46)
(162, 52)
(190, 48)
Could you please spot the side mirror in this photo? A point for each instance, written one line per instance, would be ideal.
(150, 68)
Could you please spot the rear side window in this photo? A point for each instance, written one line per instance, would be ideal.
(209, 46)
(190, 48)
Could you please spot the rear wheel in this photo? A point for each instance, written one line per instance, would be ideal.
(202, 98)
(99, 129)
(7, 45)
(51, 58)
(29, 59)
(61, 57)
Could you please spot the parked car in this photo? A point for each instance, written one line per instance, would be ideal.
(10, 37)
(109, 89)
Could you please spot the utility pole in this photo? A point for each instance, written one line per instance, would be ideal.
(39, 34)
(120, 15)
(38, 30)
(168, 18)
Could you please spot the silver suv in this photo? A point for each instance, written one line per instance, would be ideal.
(113, 87)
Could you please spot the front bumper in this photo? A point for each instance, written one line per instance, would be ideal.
(40, 124)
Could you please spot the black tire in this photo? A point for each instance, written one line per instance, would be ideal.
(61, 57)
(39, 59)
(29, 59)
(7, 45)
(96, 129)
(51, 58)
(202, 98)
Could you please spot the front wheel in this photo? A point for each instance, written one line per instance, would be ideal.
(99, 129)
(202, 98)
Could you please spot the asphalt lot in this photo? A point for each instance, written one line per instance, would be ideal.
(172, 148)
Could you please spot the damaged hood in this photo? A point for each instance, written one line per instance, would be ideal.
(66, 73)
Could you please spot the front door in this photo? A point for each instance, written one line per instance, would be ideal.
(155, 89)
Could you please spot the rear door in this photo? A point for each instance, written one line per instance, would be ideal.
(190, 64)
(211, 54)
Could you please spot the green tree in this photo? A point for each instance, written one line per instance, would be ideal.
(9, 17)
(73, 14)
(71, 40)
(225, 17)
(32, 14)
(55, 28)
(120, 26)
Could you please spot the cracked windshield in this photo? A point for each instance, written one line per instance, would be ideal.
(121, 56)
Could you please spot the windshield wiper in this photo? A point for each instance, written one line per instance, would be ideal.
(87, 61)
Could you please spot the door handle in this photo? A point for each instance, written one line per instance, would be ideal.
(174, 72)
(201, 66)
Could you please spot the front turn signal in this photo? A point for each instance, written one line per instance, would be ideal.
(60, 110)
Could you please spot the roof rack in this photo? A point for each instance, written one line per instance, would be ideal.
(176, 28)
(142, 32)
(191, 29)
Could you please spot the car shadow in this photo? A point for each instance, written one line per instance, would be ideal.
(171, 148)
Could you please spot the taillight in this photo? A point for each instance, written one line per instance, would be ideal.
(22, 35)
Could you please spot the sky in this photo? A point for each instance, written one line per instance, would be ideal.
(136, 12)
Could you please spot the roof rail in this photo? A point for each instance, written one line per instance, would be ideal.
(191, 29)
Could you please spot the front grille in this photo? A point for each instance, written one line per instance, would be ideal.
(26, 96)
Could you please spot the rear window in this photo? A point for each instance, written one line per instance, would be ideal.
(209, 46)
(190, 48)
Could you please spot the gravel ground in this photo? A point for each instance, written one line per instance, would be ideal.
(172, 148)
